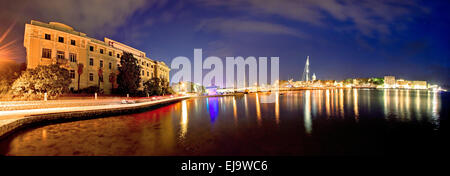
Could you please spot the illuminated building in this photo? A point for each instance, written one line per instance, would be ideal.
(389, 82)
(211, 90)
(305, 76)
(57, 43)
(403, 84)
(419, 84)
(188, 87)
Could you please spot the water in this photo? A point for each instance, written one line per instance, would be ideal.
(311, 122)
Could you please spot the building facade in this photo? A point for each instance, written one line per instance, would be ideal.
(57, 43)
(389, 82)
(419, 84)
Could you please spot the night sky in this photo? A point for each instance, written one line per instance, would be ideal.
(344, 38)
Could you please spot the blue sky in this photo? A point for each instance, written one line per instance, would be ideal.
(344, 38)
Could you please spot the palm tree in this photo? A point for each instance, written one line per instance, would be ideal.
(80, 71)
(112, 79)
(100, 77)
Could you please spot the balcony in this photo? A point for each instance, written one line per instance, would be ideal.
(60, 61)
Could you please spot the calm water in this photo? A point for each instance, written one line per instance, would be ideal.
(315, 122)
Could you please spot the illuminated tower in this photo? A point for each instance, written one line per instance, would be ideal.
(313, 78)
(305, 76)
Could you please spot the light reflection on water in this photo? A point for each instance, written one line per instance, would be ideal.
(184, 118)
(237, 125)
(307, 117)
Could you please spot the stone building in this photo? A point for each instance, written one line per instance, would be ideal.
(57, 43)
(389, 82)
(419, 84)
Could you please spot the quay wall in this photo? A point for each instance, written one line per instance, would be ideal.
(10, 125)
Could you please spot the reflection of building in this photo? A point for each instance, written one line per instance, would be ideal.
(57, 43)
(389, 82)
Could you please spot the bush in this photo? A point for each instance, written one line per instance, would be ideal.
(9, 72)
(157, 86)
(50, 79)
(91, 90)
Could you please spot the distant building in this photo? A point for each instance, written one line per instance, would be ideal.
(211, 90)
(57, 43)
(355, 82)
(389, 82)
(400, 83)
(419, 84)
(187, 87)
(285, 83)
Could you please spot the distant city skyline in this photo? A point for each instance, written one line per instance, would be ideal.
(407, 39)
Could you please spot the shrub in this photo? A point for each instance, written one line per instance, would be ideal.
(50, 79)
(91, 90)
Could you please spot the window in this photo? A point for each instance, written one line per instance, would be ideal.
(148, 74)
(48, 37)
(118, 65)
(147, 64)
(72, 42)
(91, 77)
(110, 65)
(91, 62)
(101, 63)
(118, 55)
(60, 54)
(73, 57)
(91, 48)
(72, 74)
(101, 51)
(143, 73)
(61, 39)
(110, 53)
(46, 53)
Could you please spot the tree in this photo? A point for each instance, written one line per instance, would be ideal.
(165, 88)
(129, 74)
(112, 79)
(377, 81)
(80, 71)
(348, 81)
(50, 79)
(157, 86)
(9, 72)
(153, 86)
(100, 76)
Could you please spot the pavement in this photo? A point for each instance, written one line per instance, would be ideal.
(35, 112)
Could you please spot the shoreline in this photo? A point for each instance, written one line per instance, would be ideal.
(14, 121)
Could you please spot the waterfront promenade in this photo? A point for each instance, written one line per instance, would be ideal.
(70, 110)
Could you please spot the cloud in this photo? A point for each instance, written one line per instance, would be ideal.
(92, 17)
(230, 26)
(219, 48)
(366, 16)
(97, 18)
